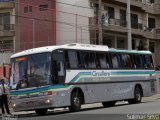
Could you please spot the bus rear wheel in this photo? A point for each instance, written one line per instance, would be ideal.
(76, 102)
(137, 96)
(108, 104)
(41, 111)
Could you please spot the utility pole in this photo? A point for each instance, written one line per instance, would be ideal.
(100, 23)
(129, 24)
(3, 67)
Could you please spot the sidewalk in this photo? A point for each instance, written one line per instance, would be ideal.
(152, 98)
(145, 99)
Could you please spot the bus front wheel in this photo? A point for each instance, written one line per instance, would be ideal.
(137, 96)
(76, 102)
(41, 111)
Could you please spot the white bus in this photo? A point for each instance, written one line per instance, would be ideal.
(75, 74)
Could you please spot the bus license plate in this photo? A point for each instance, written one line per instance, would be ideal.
(30, 103)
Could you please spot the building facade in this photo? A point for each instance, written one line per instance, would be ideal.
(7, 31)
(145, 24)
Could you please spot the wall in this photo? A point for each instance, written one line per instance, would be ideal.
(6, 71)
(5, 58)
(35, 28)
(68, 17)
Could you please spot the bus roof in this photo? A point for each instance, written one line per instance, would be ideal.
(75, 46)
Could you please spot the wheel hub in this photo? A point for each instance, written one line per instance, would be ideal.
(138, 95)
(76, 101)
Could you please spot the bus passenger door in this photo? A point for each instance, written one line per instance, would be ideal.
(58, 67)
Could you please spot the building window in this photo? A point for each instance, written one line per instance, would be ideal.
(152, 1)
(134, 21)
(121, 43)
(107, 42)
(5, 21)
(152, 47)
(4, 18)
(43, 7)
(30, 9)
(133, 44)
(123, 18)
(6, 45)
(106, 8)
(111, 12)
(27, 9)
(151, 23)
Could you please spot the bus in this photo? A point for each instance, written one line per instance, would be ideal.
(75, 74)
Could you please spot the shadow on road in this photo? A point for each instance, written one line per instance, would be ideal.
(66, 111)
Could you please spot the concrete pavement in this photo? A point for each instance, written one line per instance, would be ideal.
(145, 99)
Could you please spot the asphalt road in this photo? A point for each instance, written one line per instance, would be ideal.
(148, 110)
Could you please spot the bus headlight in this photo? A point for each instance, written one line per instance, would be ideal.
(14, 105)
(48, 101)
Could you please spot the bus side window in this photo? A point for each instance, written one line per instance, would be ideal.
(127, 63)
(80, 65)
(116, 61)
(148, 61)
(139, 61)
(132, 61)
(89, 59)
(67, 64)
(98, 61)
(142, 61)
(109, 61)
(101, 60)
(124, 61)
(120, 62)
(73, 59)
(135, 61)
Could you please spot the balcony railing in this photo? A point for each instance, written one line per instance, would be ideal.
(145, 5)
(117, 22)
(7, 30)
(7, 27)
(118, 25)
(137, 26)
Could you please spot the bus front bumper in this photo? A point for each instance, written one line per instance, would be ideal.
(32, 103)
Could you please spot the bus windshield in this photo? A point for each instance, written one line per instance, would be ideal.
(30, 71)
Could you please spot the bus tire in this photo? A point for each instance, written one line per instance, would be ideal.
(108, 104)
(76, 102)
(41, 111)
(138, 93)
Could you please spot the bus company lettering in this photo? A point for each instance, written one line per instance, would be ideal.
(101, 74)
